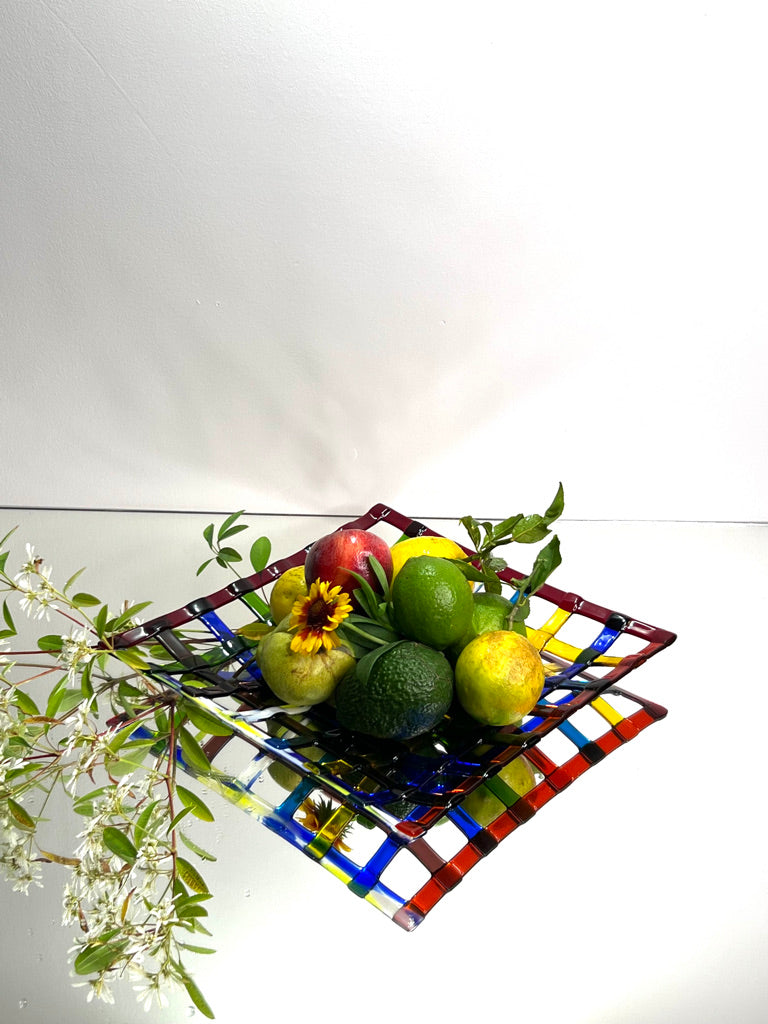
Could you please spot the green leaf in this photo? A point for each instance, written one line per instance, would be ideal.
(233, 530)
(11, 531)
(72, 579)
(204, 721)
(228, 522)
(197, 998)
(69, 700)
(133, 753)
(100, 622)
(518, 626)
(99, 956)
(194, 803)
(257, 604)
(473, 529)
(83, 600)
(556, 508)
(506, 526)
(198, 897)
(24, 703)
(520, 612)
(190, 875)
(119, 843)
(193, 753)
(55, 697)
(3, 560)
(227, 555)
(161, 722)
(469, 570)
(176, 819)
(86, 687)
(196, 949)
(364, 666)
(20, 815)
(254, 630)
(125, 617)
(530, 530)
(142, 825)
(261, 549)
(186, 911)
(492, 583)
(50, 642)
(201, 853)
(208, 535)
(547, 560)
(8, 617)
(205, 565)
(18, 746)
(131, 657)
(380, 574)
(365, 596)
(88, 798)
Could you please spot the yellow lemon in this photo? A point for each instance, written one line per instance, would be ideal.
(285, 591)
(440, 547)
(499, 677)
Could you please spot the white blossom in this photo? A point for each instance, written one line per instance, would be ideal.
(75, 652)
(38, 602)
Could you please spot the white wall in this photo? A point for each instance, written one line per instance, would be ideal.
(312, 255)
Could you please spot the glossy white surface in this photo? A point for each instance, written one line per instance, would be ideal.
(637, 896)
(293, 256)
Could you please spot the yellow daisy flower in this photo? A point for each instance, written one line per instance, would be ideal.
(316, 617)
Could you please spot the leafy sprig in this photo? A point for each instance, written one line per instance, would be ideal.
(135, 898)
(225, 555)
(483, 565)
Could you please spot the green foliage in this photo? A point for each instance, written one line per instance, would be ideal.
(129, 859)
(484, 564)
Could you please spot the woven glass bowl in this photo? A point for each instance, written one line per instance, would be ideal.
(387, 818)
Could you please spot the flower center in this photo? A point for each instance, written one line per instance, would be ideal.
(318, 612)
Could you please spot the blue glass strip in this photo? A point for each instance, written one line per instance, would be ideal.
(368, 876)
(218, 628)
(573, 734)
(603, 642)
(465, 822)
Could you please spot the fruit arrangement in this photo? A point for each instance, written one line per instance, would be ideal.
(359, 713)
(395, 638)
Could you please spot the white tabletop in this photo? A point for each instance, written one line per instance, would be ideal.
(639, 895)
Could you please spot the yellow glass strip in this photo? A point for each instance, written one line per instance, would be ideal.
(537, 637)
(330, 832)
(337, 872)
(603, 708)
(556, 621)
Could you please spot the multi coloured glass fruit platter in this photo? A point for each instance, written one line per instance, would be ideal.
(400, 823)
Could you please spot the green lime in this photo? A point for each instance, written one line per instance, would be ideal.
(490, 612)
(431, 601)
(396, 692)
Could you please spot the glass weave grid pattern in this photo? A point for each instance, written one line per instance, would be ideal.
(387, 818)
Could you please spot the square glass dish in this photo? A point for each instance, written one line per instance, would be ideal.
(399, 823)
